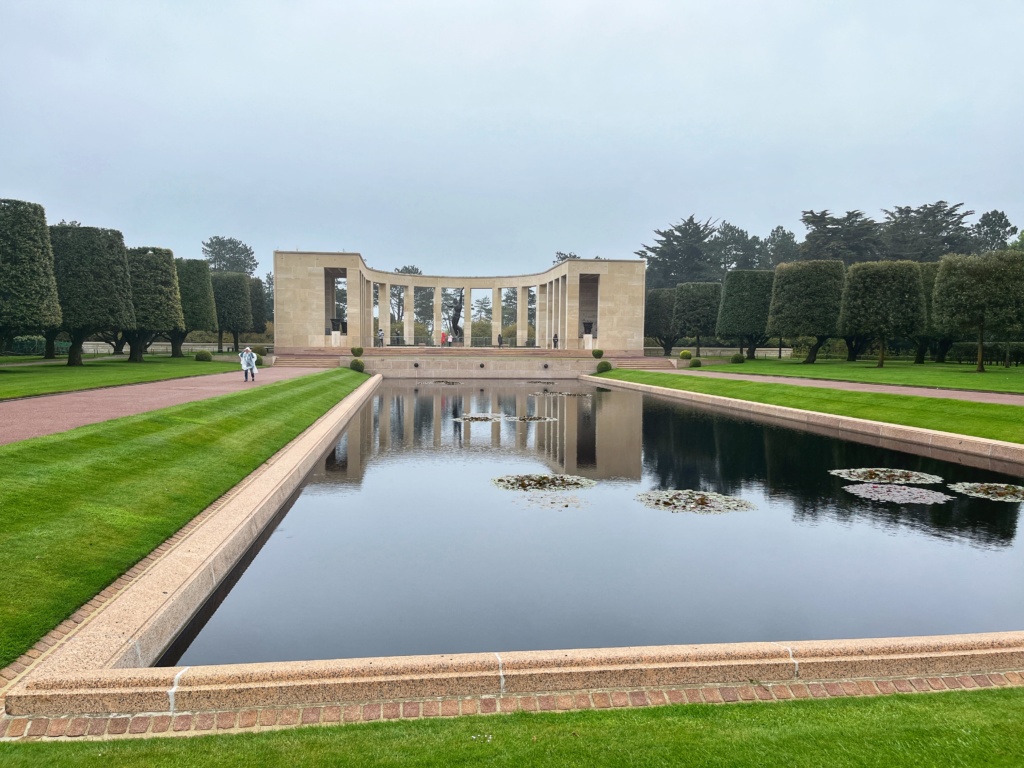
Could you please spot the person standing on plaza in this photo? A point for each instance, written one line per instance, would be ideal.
(380, 337)
(248, 358)
(554, 340)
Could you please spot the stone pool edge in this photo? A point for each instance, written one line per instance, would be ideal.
(980, 452)
(82, 677)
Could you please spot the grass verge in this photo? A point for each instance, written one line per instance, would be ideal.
(899, 372)
(989, 420)
(28, 380)
(979, 728)
(81, 507)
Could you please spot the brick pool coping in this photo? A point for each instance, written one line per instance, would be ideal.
(90, 672)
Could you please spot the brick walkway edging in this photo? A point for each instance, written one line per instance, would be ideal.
(250, 720)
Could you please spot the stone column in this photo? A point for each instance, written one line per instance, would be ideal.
(467, 317)
(542, 316)
(384, 310)
(437, 315)
(495, 315)
(522, 316)
(409, 314)
(556, 312)
(354, 308)
(572, 312)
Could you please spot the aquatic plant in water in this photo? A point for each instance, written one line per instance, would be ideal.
(472, 417)
(885, 475)
(991, 491)
(446, 381)
(530, 418)
(897, 494)
(560, 394)
(700, 502)
(542, 482)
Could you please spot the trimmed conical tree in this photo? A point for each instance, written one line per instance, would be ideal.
(746, 298)
(91, 267)
(806, 298)
(231, 294)
(197, 306)
(28, 290)
(696, 309)
(883, 300)
(155, 298)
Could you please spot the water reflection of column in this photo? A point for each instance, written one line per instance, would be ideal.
(436, 405)
(495, 425)
(467, 408)
(539, 431)
(521, 425)
(384, 421)
(408, 420)
(568, 424)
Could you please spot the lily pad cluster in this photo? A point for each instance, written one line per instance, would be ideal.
(699, 502)
(446, 381)
(560, 394)
(898, 494)
(531, 418)
(991, 491)
(885, 475)
(543, 482)
(539, 381)
(473, 417)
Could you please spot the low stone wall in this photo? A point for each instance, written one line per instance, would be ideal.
(432, 367)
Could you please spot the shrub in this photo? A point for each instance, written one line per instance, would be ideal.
(203, 356)
(737, 358)
(259, 349)
(357, 364)
(357, 351)
(604, 366)
(259, 359)
(685, 355)
(597, 353)
(695, 363)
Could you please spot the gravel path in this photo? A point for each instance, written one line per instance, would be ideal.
(48, 414)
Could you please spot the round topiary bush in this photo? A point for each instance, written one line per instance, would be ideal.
(604, 366)
(695, 363)
(259, 359)
(260, 350)
(357, 365)
(202, 356)
(685, 355)
(598, 353)
(357, 351)
(737, 358)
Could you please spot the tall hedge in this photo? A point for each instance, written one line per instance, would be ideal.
(980, 294)
(93, 281)
(883, 300)
(258, 305)
(932, 333)
(806, 298)
(746, 298)
(197, 305)
(155, 297)
(28, 289)
(231, 295)
(696, 309)
(659, 318)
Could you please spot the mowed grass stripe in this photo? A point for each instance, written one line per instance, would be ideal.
(988, 420)
(978, 728)
(32, 380)
(81, 507)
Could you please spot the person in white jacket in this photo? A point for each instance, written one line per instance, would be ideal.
(248, 358)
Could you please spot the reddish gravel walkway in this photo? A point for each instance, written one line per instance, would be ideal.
(1003, 398)
(48, 414)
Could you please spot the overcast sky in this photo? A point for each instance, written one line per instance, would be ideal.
(480, 137)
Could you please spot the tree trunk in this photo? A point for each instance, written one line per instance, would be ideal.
(752, 348)
(881, 354)
(234, 335)
(75, 350)
(981, 348)
(812, 353)
(922, 350)
(220, 340)
(666, 345)
(698, 347)
(177, 341)
(1006, 362)
(50, 353)
(119, 343)
(780, 347)
(854, 347)
(943, 349)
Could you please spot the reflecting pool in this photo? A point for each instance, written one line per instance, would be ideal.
(401, 543)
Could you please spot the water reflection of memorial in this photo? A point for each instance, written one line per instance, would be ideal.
(577, 433)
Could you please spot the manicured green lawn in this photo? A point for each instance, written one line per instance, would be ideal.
(26, 380)
(980, 728)
(946, 375)
(81, 507)
(997, 422)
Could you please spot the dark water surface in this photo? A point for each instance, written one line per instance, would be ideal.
(399, 543)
